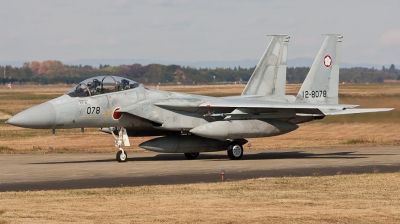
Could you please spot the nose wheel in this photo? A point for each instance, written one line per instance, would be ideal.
(122, 156)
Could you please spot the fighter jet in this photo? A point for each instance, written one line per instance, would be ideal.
(191, 124)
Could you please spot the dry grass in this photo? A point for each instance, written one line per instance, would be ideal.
(368, 90)
(367, 198)
(4, 116)
(311, 135)
(314, 135)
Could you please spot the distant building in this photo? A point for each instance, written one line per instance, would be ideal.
(391, 81)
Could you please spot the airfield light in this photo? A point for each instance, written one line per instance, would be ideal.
(222, 173)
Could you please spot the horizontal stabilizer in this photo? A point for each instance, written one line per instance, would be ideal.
(359, 111)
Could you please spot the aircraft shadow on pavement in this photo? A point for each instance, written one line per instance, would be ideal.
(81, 161)
(254, 156)
(260, 156)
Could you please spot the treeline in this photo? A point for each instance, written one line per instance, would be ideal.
(49, 72)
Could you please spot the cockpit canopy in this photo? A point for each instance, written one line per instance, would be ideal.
(101, 85)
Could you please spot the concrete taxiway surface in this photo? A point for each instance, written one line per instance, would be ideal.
(72, 171)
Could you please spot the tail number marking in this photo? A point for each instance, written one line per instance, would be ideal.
(93, 110)
(314, 94)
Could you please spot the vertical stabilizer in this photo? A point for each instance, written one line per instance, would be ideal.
(322, 82)
(269, 77)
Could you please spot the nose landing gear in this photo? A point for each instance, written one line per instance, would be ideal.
(122, 156)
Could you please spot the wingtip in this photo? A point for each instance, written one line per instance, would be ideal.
(278, 35)
(333, 34)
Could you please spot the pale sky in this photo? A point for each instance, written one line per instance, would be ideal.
(180, 30)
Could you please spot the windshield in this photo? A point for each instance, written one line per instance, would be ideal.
(100, 85)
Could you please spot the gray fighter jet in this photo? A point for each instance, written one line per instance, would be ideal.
(191, 124)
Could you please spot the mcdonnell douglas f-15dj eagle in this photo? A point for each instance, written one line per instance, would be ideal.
(191, 124)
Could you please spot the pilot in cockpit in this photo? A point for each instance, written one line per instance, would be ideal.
(118, 86)
(94, 87)
(125, 84)
(101, 85)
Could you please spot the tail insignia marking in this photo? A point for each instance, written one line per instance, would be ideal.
(327, 61)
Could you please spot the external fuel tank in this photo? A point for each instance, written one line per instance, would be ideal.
(240, 129)
(187, 144)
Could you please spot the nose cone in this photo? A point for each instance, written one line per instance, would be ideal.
(42, 116)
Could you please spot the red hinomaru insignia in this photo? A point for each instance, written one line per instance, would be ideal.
(327, 61)
(116, 115)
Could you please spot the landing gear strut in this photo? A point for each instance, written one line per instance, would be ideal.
(235, 151)
(122, 156)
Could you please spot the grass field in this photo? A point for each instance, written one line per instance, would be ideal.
(367, 198)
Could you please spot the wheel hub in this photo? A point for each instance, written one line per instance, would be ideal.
(236, 150)
(122, 156)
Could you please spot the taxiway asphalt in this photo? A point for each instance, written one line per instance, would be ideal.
(95, 170)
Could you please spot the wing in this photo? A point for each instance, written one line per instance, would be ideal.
(243, 108)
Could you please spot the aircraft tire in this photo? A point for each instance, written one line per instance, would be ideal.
(235, 151)
(121, 158)
(192, 155)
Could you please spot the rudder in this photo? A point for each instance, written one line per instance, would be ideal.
(269, 77)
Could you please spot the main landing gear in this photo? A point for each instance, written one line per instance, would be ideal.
(192, 155)
(235, 151)
(122, 156)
